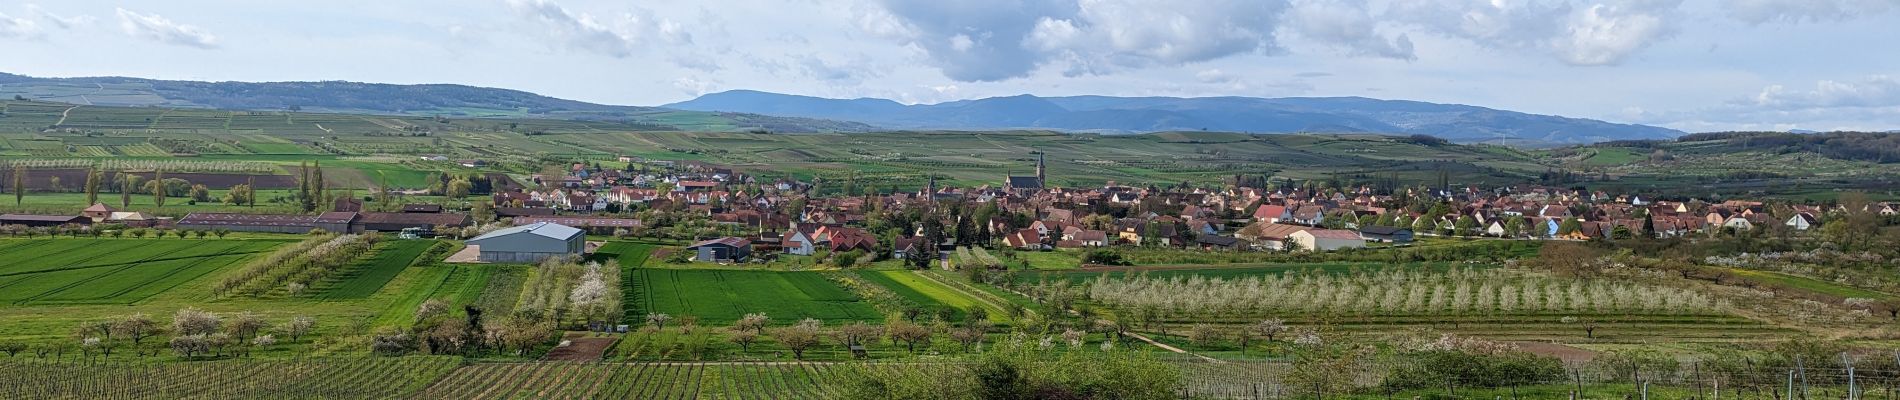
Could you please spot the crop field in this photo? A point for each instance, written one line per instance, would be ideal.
(382, 377)
(630, 255)
(929, 293)
(111, 271)
(722, 296)
(366, 276)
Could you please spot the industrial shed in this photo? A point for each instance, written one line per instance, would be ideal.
(530, 243)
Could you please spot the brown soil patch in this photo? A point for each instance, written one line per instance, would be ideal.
(1562, 352)
(581, 347)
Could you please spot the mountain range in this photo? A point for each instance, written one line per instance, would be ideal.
(1461, 123)
(745, 110)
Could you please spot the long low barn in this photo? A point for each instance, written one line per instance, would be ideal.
(339, 221)
(598, 225)
(44, 220)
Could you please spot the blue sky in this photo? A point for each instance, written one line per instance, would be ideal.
(1695, 65)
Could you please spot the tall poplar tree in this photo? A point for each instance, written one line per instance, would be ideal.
(92, 186)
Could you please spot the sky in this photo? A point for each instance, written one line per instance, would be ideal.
(1693, 65)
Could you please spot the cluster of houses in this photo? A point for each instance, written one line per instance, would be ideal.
(586, 200)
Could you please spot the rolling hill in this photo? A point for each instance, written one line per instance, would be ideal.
(384, 99)
(1459, 123)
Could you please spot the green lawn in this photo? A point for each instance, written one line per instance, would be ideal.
(1051, 260)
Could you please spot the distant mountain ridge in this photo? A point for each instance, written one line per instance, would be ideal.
(1455, 122)
(378, 98)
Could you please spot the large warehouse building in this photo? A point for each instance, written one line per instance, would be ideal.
(530, 243)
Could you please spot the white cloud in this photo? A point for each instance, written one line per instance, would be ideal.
(1874, 91)
(59, 21)
(1798, 11)
(12, 27)
(1587, 33)
(1141, 33)
(618, 37)
(694, 86)
(1347, 24)
(1215, 76)
(158, 28)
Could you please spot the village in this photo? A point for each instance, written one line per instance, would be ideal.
(736, 217)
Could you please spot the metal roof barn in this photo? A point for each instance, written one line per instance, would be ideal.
(530, 243)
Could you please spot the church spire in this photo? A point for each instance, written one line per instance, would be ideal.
(1039, 176)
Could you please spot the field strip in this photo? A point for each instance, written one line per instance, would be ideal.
(155, 257)
(995, 309)
(125, 266)
(175, 271)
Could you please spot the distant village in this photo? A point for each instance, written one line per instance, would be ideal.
(770, 217)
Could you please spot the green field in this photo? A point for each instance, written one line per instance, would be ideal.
(723, 296)
(111, 271)
(368, 275)
(927, 294)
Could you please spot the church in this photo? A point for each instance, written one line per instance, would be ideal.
(1027, 184)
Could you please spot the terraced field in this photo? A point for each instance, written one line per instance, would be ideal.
(111, 271)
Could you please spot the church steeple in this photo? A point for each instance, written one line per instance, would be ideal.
(1040, 178)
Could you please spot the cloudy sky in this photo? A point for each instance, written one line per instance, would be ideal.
(1695, 65)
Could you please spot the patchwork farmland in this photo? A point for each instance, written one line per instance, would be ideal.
(111, 271)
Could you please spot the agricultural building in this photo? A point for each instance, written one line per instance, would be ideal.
(44, 220)
(726, 249)
(530, 243)
(339, 222)
(1386, 234)
(598, 225)
(1326, 239)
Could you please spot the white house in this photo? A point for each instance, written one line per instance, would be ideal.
(1801, 221)
(798, 243)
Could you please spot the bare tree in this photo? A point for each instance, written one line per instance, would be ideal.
(246, 325)
(967, 337)
(857, 333)
(911, 334)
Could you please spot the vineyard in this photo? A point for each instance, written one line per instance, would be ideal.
(232, 379)
(1396, 292)
(120, 164)
(635, 381)
(294, 268)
